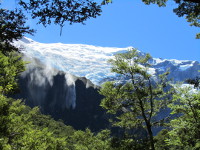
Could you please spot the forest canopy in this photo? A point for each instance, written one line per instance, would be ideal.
(133, 104)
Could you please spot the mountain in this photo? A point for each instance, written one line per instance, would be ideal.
(73, 99)
(91, 61)
(64, 79)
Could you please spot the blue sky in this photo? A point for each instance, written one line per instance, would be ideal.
(124, 23)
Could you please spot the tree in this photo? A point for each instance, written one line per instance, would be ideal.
(22, 127)
(10, 68)
(12, 22)
(191, 10)
(61, 11)
(17, 125)
(12, 27)
(78, 11)
(86, 140)
(20, 130)
(185, 128)
(138, 100)
(188, 8)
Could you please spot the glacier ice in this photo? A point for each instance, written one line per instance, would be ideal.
(78, 59)
(91, 61)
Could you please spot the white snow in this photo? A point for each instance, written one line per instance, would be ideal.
(78, 59)
(152, 71)
(157, 61)
(185, 67)
(83, 60)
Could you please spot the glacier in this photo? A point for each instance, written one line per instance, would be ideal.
(91, 61)
(56, 79)
(77, 59)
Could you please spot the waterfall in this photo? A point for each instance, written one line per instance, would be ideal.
(70, 92)
(48, 87)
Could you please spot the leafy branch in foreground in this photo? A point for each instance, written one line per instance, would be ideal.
(185, 131)
(12, 27)
(137, 102)
(61, 11)
(10, 68)
(188, 8)
(184, 128)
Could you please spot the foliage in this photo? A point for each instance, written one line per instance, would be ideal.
(188, 8)
(185, 133)
(147, 2)
(74, 11)
(12, 22)
(158, 2)
(10, 68)
(138, 101)
(184, 129)
(25, 128)
(124, 143)
(160, 138)
(104, 2)
(12, 27)
(86, 140)
(20, 126)
(19, 132)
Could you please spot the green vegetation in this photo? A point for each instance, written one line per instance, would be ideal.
(12, 27)
(184, 129)
(135, 104)
(22, 127)
(11, 66)
(26, 128)
(138, 102)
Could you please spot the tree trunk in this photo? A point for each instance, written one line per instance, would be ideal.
(150, 135)
(148, 125)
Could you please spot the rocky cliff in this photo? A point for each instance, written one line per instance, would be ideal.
(75, 100)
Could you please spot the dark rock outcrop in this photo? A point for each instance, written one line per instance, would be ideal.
(75, 100)
(179, 71)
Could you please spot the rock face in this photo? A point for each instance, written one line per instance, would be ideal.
(75, 100)
(179, 70)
